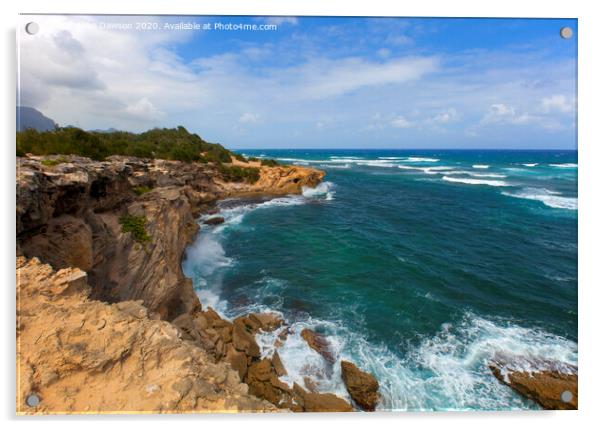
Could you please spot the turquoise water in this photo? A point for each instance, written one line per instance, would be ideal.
(419, 266)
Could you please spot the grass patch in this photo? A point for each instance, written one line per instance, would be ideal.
(141, 190)
(136, 226)
(53, 162)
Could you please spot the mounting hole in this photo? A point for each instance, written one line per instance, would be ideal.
(32, 400)
(32, 28)
(566, 396)
(566, 32)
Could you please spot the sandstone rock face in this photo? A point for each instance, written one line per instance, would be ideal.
(325, 402)
(68, 215)
(547, 387)
(129, 333)
(81, 355)
(319, 344)
(362, 386)
(280, 180)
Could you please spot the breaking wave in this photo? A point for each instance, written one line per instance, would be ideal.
(475, 181)
(549, 198)
(566, 165)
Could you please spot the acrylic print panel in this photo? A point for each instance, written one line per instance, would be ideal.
(220, 214)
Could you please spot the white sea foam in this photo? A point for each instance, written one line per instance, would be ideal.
(482, 166)
(475, 181)
(419, 159)
(427, 170)
(566, 165)
(474, 174)
(533, 164)
(446, 371)
(324, 189)
(203, 260)
(343, 166)
(549, 198)
(377, 163)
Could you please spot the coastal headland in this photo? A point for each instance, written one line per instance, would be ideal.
(107, 322)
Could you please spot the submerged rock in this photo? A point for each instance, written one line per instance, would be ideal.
(362, 386)
(549, 387)
(319, 343)
(214, 220)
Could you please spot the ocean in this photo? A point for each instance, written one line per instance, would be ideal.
(419, 266)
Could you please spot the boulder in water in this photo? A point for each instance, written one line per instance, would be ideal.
(362, 386)
(214, 220)
(319, 344)
(550, 387)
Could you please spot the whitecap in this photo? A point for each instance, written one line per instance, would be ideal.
(549, 198)
(419, 159)
(533, 164)
(377, 163)
(483, 175)
(566, 165)
(483, 166)
(475, 181)
(428, 170)
(344, 166)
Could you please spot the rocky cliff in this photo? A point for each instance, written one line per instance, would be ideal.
(76, 354)
(107, 322)
(70, 213)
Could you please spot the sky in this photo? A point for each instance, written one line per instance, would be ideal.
(309, 82)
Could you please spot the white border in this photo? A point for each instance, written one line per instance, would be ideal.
(590, 213)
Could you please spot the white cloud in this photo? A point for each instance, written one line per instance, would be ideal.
(144, 109)
(557, 103)
(447, 116)
(503, 114)
(400, 122)
(323, 78)
(248, 118)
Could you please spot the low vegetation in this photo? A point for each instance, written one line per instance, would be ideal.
(141, 190)
(235, 173)
(269, 162)
(53, 162)
(161, 143)
(136, 226)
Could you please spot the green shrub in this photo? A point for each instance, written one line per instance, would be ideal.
(269, 162)
(235, 173)
(136, 226)
(239, 157)
(141, 190)
(162, 143)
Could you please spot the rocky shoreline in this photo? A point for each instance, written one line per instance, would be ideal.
(107, 321)
(108, 237)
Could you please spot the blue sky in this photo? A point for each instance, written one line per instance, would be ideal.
(314, 82)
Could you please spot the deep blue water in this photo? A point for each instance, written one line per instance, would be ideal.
(418, 265)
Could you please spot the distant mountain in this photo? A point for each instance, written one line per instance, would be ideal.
(28, 117)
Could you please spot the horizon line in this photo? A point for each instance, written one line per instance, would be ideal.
(411, 149)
